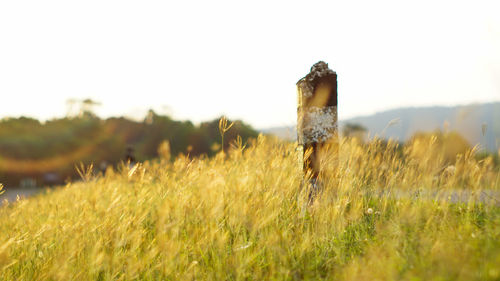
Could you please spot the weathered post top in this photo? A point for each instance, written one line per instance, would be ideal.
(317, 105)
(316, 119)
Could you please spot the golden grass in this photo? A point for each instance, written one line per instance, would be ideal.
(243, 216)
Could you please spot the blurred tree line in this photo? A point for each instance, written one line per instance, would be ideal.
(49, 151)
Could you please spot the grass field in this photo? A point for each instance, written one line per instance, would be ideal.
(243, 216)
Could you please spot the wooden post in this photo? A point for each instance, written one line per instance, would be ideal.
(316, 119)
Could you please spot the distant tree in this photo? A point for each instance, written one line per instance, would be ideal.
(437, 144)
(70, 107)
(354, 130)
(87, 108)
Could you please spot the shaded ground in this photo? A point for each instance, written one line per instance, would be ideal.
(11, 194)
(491, 197)
(453, 196)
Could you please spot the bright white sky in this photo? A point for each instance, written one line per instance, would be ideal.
(199, 59)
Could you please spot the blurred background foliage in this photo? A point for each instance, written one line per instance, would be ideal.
(34, 153)
(46, 153)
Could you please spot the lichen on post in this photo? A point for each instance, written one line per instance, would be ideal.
(316, 118)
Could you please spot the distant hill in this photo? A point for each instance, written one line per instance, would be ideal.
(471, 121)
